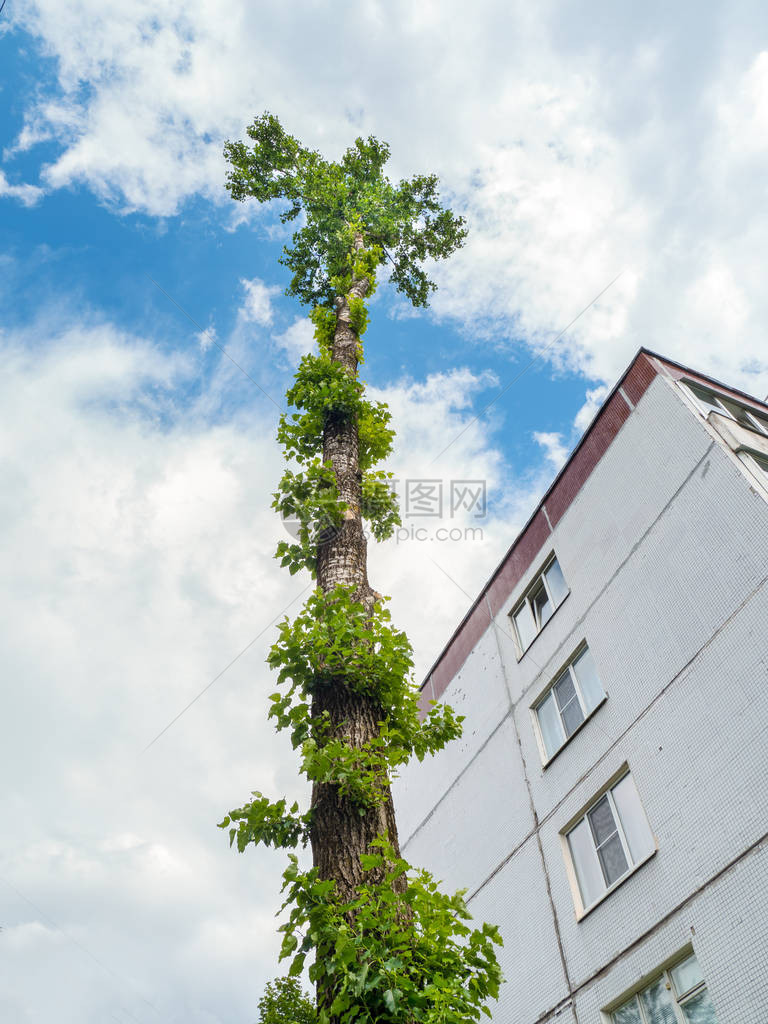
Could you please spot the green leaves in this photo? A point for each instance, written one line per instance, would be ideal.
(335, 639)
(284, 1002)
(360, 773)
(407, 219)
(323, 392)
(309, 500)
(325, 388)
(375, 436)
(380, 506)
(395, 954)
(262, 821)
(335, 642)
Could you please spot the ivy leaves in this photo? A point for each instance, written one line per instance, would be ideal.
(322, 393)
(396, 952)
(310, 499)
(262, 821)
(334, 638)
(334, 641)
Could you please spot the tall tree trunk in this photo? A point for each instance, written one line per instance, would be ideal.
(340, 833)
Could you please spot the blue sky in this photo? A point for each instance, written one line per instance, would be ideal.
(74, 252)
(138, 462)
(69, 250)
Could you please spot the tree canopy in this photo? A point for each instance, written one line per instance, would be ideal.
(407, 221)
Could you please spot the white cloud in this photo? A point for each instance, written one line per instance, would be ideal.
(555, 449)
(447, 556)
(257, 302)
(297, 340)
(743, 115)
(28, 195)
(592, 402)
(30, 935)
(138, 564)
(637, 147)
(207, 338)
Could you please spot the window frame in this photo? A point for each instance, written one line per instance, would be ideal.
(583, 910)
(758, 464)
(548, 692)
(533, 588)
(748, 452)
(661, 973)
(757, 422)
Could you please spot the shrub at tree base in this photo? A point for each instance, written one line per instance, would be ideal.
(284, 1002)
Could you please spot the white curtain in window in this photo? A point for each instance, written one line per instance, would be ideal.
(687, 975)
(526, 627)
(551, 729)
(633, 819)
(585, 861)
(589, 681)
(556, 582)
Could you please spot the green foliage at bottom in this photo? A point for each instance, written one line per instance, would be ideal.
(390, 957)
(284, 1002)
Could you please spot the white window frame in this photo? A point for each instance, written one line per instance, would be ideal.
(758, 464)
(660, 974)
(530, 591)
(749, 452)
(546, 757)
(583, 909)
(722, 402)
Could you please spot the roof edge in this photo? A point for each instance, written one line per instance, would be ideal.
(487, 585)
(661, 363)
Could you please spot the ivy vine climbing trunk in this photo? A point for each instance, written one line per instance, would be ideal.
(340, 834)
(388, 946)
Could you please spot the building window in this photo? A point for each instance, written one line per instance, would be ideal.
(678, 996)
(761, 462)
(609, 841)
(535, 610)
(569, 701)
(712, 401)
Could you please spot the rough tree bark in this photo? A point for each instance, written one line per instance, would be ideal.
(340, 833)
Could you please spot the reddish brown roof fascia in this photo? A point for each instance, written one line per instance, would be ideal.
(608, 420)
(677, 371)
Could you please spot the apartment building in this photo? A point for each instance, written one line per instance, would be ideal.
(607, 805)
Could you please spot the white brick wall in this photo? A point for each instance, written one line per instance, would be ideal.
(421, 785)
(665, 551)
(463, 849)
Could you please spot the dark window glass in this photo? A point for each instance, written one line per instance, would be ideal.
(542, 606)
(601, 821)
(568, 702)
(610, 852)
(613, 860)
